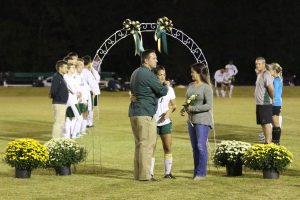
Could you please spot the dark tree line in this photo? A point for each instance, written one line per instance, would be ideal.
(34, 34)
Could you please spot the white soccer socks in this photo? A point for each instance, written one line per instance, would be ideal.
(217, 93)
(83, 126)
(90, 118)
(69, 126)
(152, 167)
(77, 127)
(223, 93)
(230, 91)
(168, 163)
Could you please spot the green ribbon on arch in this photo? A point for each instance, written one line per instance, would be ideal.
(138, 42)
(160, 37)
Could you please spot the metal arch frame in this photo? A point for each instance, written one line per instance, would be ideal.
(150, 27)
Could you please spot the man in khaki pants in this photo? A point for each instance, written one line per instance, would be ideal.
(59, 94)
(146, 89)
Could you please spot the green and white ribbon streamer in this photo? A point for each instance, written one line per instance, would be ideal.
(163, 25)
(134, 28)
(138, 41)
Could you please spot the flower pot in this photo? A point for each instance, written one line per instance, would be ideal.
(234, 170)
(63, 171)
(22, 173)
(270, 174)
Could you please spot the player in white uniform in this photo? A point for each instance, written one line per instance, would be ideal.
(85, 95)
(73, 116)
(95, 90)
(166, 106)
(218, 81)
(226, 83)
(232, 70)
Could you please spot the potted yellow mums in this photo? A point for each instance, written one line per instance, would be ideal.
(25, 155)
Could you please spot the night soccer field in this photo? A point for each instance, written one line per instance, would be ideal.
(107, 172)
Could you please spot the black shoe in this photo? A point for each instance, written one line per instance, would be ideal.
(169, 176)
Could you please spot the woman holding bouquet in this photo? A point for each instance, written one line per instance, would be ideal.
(198, 105)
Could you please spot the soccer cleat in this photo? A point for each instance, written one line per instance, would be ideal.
(169, 176)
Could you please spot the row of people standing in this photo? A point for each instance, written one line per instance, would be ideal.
(74, 92)
(225, 79)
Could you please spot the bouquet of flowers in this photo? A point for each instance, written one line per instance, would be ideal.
(26, 154)
(190, 100)
(230, 153)
(267, 156)
(64, 152)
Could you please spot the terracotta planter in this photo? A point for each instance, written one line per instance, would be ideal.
(22, 173)
(270, 174)
(234, 170)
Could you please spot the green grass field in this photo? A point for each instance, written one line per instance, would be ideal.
(107, 172)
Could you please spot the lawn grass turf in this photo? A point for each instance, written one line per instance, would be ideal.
(107, 172)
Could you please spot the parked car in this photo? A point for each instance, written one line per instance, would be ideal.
(47, 82)
(110, 81)
(105, 77)
(41, 82)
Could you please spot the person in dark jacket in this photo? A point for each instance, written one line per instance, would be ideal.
(146, 88)
(59, 94)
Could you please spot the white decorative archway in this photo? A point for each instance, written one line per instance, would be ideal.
(149, 27)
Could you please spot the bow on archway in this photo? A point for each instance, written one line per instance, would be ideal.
(134, 28)
(163, 25)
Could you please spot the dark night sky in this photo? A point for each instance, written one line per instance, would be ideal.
(34, 34)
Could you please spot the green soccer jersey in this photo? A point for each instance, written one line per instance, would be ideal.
(146, 87)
